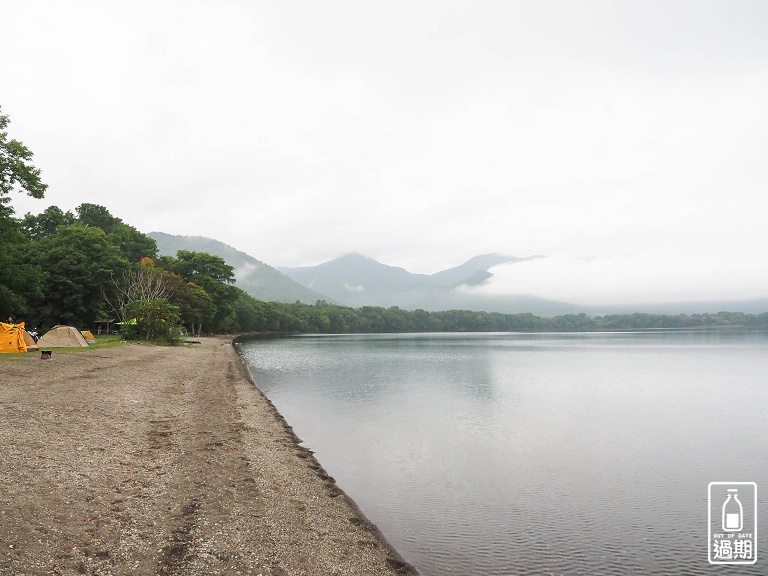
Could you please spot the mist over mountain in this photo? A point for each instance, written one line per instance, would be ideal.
(258, 279)
(475, 268)
(356, 274)
(356, 280)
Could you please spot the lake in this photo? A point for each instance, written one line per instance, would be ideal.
(541, 454)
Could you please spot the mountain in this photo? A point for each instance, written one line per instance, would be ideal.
(476, 268)
(355, 280)
(258, 279)
(356, 274)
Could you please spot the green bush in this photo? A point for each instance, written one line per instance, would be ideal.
(156, 320)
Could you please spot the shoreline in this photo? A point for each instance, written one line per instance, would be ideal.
(153, 460)
(394, 559)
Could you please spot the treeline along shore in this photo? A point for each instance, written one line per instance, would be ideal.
(331, 319)
(165, 460)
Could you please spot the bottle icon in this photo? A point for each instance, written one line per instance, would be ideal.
(733, 513)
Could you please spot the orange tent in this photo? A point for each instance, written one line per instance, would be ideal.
(12, 338)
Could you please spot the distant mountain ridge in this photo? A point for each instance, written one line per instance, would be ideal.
(354, 272)
(475, 268)
(357, 280)
(256, 278)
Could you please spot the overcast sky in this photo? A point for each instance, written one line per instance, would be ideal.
(625, 141)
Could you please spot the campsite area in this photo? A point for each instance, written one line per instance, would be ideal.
(141, 459)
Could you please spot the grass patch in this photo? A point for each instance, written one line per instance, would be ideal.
(107, 341)
(102, 341)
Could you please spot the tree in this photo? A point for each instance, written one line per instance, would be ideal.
(214, 276)
(142, 282)
(195, 265)
(195, 305)
(19, 282)
(45, 223)
(98, 216)
(252, 315)
(154, 319)
(16, 171)
(133, 245)
(79, 263)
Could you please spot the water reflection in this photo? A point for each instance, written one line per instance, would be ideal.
(530, 454)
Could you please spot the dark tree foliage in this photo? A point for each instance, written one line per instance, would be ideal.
(193, 266)
(324, 318)
(196, 306)
(16, 171)
(63, 266)
(218, 300)
(79, 264)
(20, 282)
(132, 244)
(45, 223)
(97, 216)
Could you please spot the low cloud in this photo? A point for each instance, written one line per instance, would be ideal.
(245, 270)
(640, 278)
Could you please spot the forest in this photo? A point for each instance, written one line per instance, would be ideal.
(88, 268)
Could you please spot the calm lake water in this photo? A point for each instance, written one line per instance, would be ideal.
(545, 454)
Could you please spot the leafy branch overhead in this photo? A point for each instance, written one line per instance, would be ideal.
(16, 170)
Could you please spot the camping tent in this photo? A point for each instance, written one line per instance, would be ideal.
(62, 337)
(30, 342)
(12, 337)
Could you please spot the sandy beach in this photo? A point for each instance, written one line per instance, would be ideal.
(154, 460)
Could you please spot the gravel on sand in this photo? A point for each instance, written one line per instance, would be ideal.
(165, 460)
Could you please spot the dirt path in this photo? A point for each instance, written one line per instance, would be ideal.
(167, 461)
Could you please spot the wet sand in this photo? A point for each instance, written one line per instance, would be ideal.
(154, 460)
